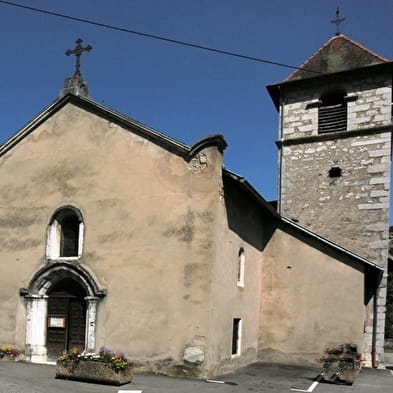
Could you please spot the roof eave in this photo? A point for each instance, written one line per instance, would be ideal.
(179, 148)
(275, 89)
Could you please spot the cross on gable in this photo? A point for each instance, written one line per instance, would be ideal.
(338, 21)
(78, 52)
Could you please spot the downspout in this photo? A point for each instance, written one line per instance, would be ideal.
(374, 336)
(280, 134)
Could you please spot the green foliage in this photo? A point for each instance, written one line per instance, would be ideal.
(105, 355)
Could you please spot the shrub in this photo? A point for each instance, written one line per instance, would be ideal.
(8, 351)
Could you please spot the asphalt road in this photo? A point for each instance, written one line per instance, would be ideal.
(257, 378)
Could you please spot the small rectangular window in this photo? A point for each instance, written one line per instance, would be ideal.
(236, 336)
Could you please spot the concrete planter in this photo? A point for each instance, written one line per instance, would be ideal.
(93, 372)
(344, 372)
(341, 364)
(8, 359)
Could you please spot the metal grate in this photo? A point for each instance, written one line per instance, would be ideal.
(332, 118)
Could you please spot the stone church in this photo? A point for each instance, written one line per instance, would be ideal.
(114, 234)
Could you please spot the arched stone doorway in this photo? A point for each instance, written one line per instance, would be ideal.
(61, 306)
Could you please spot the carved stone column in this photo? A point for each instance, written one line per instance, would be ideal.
(91, 314)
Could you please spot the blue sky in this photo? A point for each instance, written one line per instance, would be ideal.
(186, 93)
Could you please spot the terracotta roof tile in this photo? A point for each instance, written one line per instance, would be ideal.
(340, 53)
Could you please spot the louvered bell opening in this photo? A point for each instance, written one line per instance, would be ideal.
(332, 118)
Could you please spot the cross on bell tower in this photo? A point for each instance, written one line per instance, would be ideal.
(75, 84)
(338, 21)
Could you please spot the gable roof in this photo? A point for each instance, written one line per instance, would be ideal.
(340, 53)
(173, 145)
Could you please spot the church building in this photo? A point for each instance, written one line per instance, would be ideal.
(114, 234)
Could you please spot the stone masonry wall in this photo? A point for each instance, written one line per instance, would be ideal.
(351, 209)
(371, 107)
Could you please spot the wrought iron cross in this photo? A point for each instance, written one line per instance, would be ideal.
(338, 21)
(77, 52)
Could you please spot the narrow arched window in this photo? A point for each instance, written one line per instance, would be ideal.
(240, 268)
(69, 240)
(65, 234)
(332, 113)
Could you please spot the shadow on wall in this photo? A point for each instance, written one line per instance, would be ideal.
(255, 221)
(248, 215)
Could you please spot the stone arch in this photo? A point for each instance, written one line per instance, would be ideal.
(51, 274)
(36, 298)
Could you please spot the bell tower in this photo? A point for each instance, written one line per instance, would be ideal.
(335, 151)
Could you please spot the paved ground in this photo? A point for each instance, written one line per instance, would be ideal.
(256, 378)
(389, 359)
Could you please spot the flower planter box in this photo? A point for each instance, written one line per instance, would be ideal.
(341, 364)
(8, 359)
(8, 354)
(93, 372)
(344, 372)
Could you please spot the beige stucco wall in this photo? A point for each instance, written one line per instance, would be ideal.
(309, 301)
(148, 219)
(162, 236)
(238, 225)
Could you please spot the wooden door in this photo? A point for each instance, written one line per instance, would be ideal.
(56, 333)
(66, 318)
(77, 324)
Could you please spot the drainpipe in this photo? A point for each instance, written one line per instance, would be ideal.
(280, 135)
(374, 336)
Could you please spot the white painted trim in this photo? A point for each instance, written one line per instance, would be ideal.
(53, 242)
(36, 315)
(91, 315)
(54, 236)
(129, 391)
(60, 259)
(241, 268)
(81, 237)
(309, 390)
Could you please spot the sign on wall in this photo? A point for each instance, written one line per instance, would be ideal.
(57, 322)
